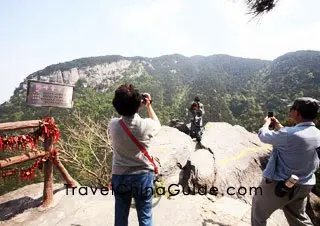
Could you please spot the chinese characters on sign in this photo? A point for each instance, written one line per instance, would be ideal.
(45, 94)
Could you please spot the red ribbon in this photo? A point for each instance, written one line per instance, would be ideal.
(48, 128)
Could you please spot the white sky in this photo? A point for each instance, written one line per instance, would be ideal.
(37, 33)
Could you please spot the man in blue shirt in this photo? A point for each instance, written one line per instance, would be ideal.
(294, 153)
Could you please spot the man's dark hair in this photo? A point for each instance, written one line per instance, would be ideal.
(307, 107)
(127, 100)
(196, 99)
(308, 115)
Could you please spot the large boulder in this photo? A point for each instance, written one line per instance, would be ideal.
(239, 156)
(199, 172)
(204, 165)
(173, 148)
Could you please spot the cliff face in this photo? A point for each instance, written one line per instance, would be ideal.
(103, 74)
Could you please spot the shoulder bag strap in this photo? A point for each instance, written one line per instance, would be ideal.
(140, 146)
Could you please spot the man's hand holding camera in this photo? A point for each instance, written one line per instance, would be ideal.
(272, 120)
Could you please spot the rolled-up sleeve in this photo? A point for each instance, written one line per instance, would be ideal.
(271, 137)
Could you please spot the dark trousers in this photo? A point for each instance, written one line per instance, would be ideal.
(138, 186)
(263, 205)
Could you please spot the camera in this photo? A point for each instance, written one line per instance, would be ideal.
(270, 114)
(194, 106)
(144, 98)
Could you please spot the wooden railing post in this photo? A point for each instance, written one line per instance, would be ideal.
(66, 176)
(48, 174)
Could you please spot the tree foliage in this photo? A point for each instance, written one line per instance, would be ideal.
(258, 7)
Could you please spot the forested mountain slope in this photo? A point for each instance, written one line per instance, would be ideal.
(233, 89)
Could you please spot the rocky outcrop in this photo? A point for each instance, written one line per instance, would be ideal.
(181, 126)
(239, 156)
(79, 208)
(204, 167)
(230, 157)
(199, 172)
(173, 148)
(99, 75)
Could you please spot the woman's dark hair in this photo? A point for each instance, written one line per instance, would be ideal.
(127, 100)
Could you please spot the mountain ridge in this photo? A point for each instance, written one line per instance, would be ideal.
(116, 56)
(234, 89)
(87, 61)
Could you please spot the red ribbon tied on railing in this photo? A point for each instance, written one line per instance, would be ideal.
(47, 128)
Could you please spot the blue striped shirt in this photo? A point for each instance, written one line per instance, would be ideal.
(294, 152)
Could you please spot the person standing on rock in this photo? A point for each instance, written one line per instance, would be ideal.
(197, 108)
(132, 170)
(197, 112)
(294, 156)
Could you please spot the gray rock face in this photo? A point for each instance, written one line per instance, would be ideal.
(70, 76)
(204, 164)
(181, 126)
(103, 74)
(235, 162)
(98, 209)
(172, 147)
(199, 172)
(238, 154)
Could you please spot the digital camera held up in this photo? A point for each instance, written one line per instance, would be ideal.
(145, 97)
(270, 115)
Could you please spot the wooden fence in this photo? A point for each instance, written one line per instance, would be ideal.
(47, 132)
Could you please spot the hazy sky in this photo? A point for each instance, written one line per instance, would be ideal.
(37, 33)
